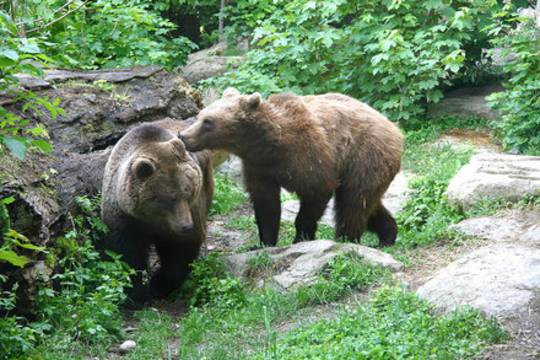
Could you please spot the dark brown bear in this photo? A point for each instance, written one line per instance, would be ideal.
(155, 192)
(316, 146)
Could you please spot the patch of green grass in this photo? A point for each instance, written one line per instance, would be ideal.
(212, 332)
(227, 196)
(155, 329)
(395, 324)
(345, 273)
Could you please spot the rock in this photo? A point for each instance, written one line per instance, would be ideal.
(522, 226)
(127, 346)
(465, 102)
(208, 63)
(222, 238)
(499, 279)
(301, 263)
(231, 168)
(497, 177)
(393, 199)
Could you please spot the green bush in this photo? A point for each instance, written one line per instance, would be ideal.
(82, 305)
(212, 285)
(20, 55)
(396, 55)
(519, 103)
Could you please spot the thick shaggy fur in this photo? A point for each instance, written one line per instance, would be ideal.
(155, 192)
(316, 146)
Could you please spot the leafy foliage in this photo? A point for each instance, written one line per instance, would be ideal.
(396, 55)
(81, 306)
(116, 33)
(20, 55)
(13, 242)
(517, 40)
(211, 285)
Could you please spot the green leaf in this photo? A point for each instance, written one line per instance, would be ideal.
(10, 54)
(43, 145)
(16, 146)
(13, 258)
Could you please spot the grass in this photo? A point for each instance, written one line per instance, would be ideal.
(394, 324)
(214, 332)
(155, 330)
(227, 196)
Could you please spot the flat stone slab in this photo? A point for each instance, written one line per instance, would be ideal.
(302, 263)
(393, 199)
(522, 226)
(495, 176)
(499, 279)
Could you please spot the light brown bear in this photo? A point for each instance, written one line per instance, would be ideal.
(156, 192)
(316, 146)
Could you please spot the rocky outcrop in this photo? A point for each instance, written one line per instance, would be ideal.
(303, 263)
(497, 177)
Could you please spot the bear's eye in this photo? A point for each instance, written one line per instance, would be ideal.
(208, 124)
(143, 168)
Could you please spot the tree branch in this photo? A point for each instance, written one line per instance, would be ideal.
(57, 19)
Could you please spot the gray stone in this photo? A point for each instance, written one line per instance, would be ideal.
(522, 226)
(202, 68)
(465, 102)
(499, 279)
(302, 263)
(127, 346)
(497, 177)
(394, 199)
(231, 168)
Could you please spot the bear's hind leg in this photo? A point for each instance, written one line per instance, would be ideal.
(384, 225)
(351, 213)
(311, 210)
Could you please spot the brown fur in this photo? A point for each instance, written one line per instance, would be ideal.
(155, 192)
(316, 146)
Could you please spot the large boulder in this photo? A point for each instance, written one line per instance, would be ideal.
(464, 103)
(500, 279)
(302, 263)
(208, 63)
(497, 177)
(513, 225)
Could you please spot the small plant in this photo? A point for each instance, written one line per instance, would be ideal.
(227, 196)
(211, 285)
(346, 273)
(260, 263)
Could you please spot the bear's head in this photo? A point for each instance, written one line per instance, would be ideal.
(158, 185)
(222, 124)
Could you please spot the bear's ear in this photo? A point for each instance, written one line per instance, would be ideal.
(178, 144)
(230, 91)
(143, 168)
(251, 102)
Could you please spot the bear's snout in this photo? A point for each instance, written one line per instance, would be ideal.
(188, 141)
